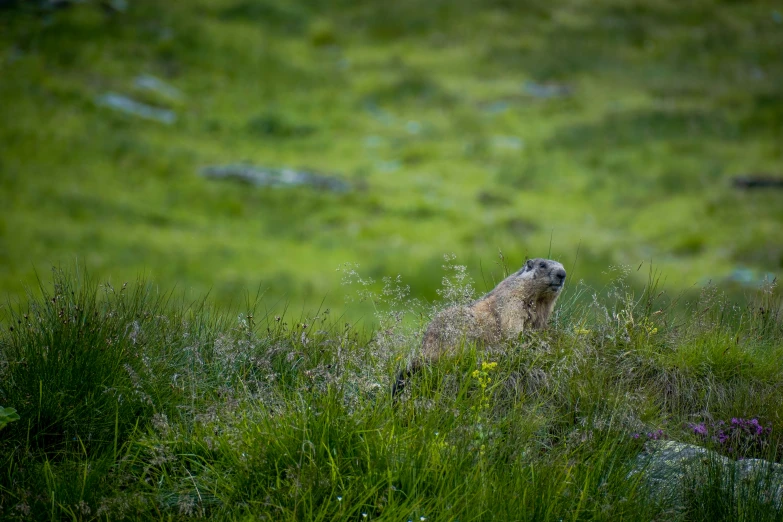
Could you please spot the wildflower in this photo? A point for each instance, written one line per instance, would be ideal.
(738, 436)
(699, 429)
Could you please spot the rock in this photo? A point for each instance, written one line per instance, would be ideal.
(413, 127)
(668, 469)
(379, 114)
(158, 86)
(373, 142)
(272, 177)
(757, 181)
(743, 276)
(496, 107)
(121, 103)
(507, 142)
(388, 166)
(110, 6)
(119, 6)
(547, 90)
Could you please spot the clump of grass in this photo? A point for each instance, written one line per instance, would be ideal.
(190, 412)
(77, 363)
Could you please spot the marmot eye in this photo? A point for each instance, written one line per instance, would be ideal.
(542, 265)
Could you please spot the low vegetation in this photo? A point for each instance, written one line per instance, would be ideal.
(135, 404)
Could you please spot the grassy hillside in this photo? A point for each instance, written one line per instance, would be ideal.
(610, 129)
(135, 406)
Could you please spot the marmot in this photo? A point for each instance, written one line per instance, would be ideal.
(525, 299)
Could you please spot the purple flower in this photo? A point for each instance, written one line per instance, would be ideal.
(699, 429)
(740, 437)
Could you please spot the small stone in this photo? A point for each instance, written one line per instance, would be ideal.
(121, 103)
(275, 177)
(547, 90)
(158, 86)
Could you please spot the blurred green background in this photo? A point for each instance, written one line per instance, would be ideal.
(613, 129)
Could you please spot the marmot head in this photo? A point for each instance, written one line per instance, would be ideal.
(547, 277)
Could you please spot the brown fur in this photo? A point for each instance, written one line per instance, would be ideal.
(523, 300)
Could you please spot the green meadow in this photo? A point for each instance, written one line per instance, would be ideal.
(175, 345)
(601, 134)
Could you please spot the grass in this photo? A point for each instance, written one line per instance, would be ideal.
(135, 404)
(426, 110)
(196, 396)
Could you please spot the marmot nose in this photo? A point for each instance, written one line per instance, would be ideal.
(561, 275)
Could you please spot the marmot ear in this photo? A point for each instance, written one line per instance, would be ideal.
(529, 265)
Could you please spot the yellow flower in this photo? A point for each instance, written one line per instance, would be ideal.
(488, 366)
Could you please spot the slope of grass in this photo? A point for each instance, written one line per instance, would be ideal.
(137, 405)
(430, 111)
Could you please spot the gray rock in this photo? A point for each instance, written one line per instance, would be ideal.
(496, 107)
(379, 114)
(413, 127)
(668, 469)
(158, 86)
(118, 5)
(388, 166)
(743, 276)
(121, 103)
(373, 142)
(547, 90)
(507, 142)
(758, 181)
(272, 177)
